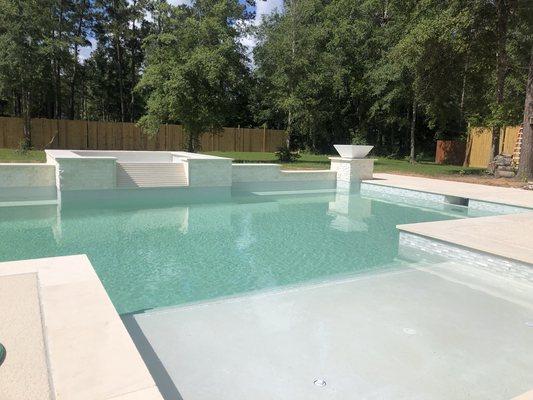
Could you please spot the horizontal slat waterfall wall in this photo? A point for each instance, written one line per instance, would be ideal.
(95, 135)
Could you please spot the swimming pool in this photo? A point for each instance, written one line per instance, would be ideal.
(151, 254)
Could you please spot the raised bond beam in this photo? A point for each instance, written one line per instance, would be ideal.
(71, 171)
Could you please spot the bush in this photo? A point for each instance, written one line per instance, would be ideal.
(358, 137)
(284, 154)
(420, 157)
(23, 147)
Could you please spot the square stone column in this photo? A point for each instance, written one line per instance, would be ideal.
(351, 171)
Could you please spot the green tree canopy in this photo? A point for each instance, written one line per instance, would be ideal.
(195, 66)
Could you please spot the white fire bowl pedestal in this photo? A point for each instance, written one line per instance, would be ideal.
(351, 171)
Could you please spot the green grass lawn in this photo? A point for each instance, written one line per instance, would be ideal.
(306, 161)
(16, 156)
(314, 161)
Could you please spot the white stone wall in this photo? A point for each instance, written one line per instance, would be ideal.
(273, 172)
(26, 175)
(208, 172)
(255, 172)
(87, 173)
(352, 170)
(27, 182)
(271, 177)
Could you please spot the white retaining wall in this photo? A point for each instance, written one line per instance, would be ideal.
(87, 173)
(271, 177)
(208, 172)
(27, 182)
(69, 170)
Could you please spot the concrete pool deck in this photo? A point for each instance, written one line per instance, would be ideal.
(63, 337)
(21, 332)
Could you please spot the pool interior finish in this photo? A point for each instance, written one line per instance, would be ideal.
(151, 254)
(259, 295)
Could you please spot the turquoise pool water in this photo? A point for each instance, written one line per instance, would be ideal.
(153, 254)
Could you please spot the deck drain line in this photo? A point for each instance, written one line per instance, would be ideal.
(319, 382)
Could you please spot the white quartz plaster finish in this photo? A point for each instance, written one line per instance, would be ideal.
(26, 175)
(24, 374)
(394, 335)
(350, 170)
(91, 355)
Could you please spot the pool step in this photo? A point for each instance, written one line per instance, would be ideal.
(151, 175)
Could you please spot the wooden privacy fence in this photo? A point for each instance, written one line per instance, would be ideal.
(95, 135)
(450, 152)
(478, 147)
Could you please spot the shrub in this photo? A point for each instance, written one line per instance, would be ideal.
(284, 154)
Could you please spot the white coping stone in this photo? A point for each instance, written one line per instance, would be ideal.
(507, 236)
(394, 335)
(91, 355)
(491, 194)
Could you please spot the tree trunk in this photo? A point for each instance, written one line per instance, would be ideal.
(291, 81)
(413, 130)
(79, 30)
(525, 167)
(59, 100)
(120, 81)
(289, 129)
(120, 65)
(502, 11)
(26, 114)
(463, 93)
(191, 139)
(133, 62)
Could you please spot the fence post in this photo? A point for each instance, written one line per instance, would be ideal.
(264, 137)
